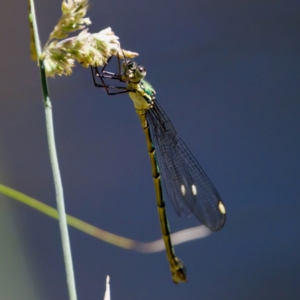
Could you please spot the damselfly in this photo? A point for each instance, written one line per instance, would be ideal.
(175, 170)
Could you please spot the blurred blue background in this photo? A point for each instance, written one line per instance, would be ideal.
(227, 74)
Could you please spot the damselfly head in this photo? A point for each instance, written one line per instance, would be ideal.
(133, 71)
(128, 65)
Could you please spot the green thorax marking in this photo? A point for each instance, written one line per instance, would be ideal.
(143, 96)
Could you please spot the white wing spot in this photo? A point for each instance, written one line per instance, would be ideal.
(221, 208)
(182, 189)
(194, 190)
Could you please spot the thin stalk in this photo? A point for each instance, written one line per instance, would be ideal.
(178, 237)
(54, 162)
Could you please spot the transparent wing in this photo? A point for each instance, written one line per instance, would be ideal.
(184, 180)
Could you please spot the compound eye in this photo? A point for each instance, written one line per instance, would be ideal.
(140, 72)
(128, 65)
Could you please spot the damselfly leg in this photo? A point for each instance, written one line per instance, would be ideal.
(103, 74)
